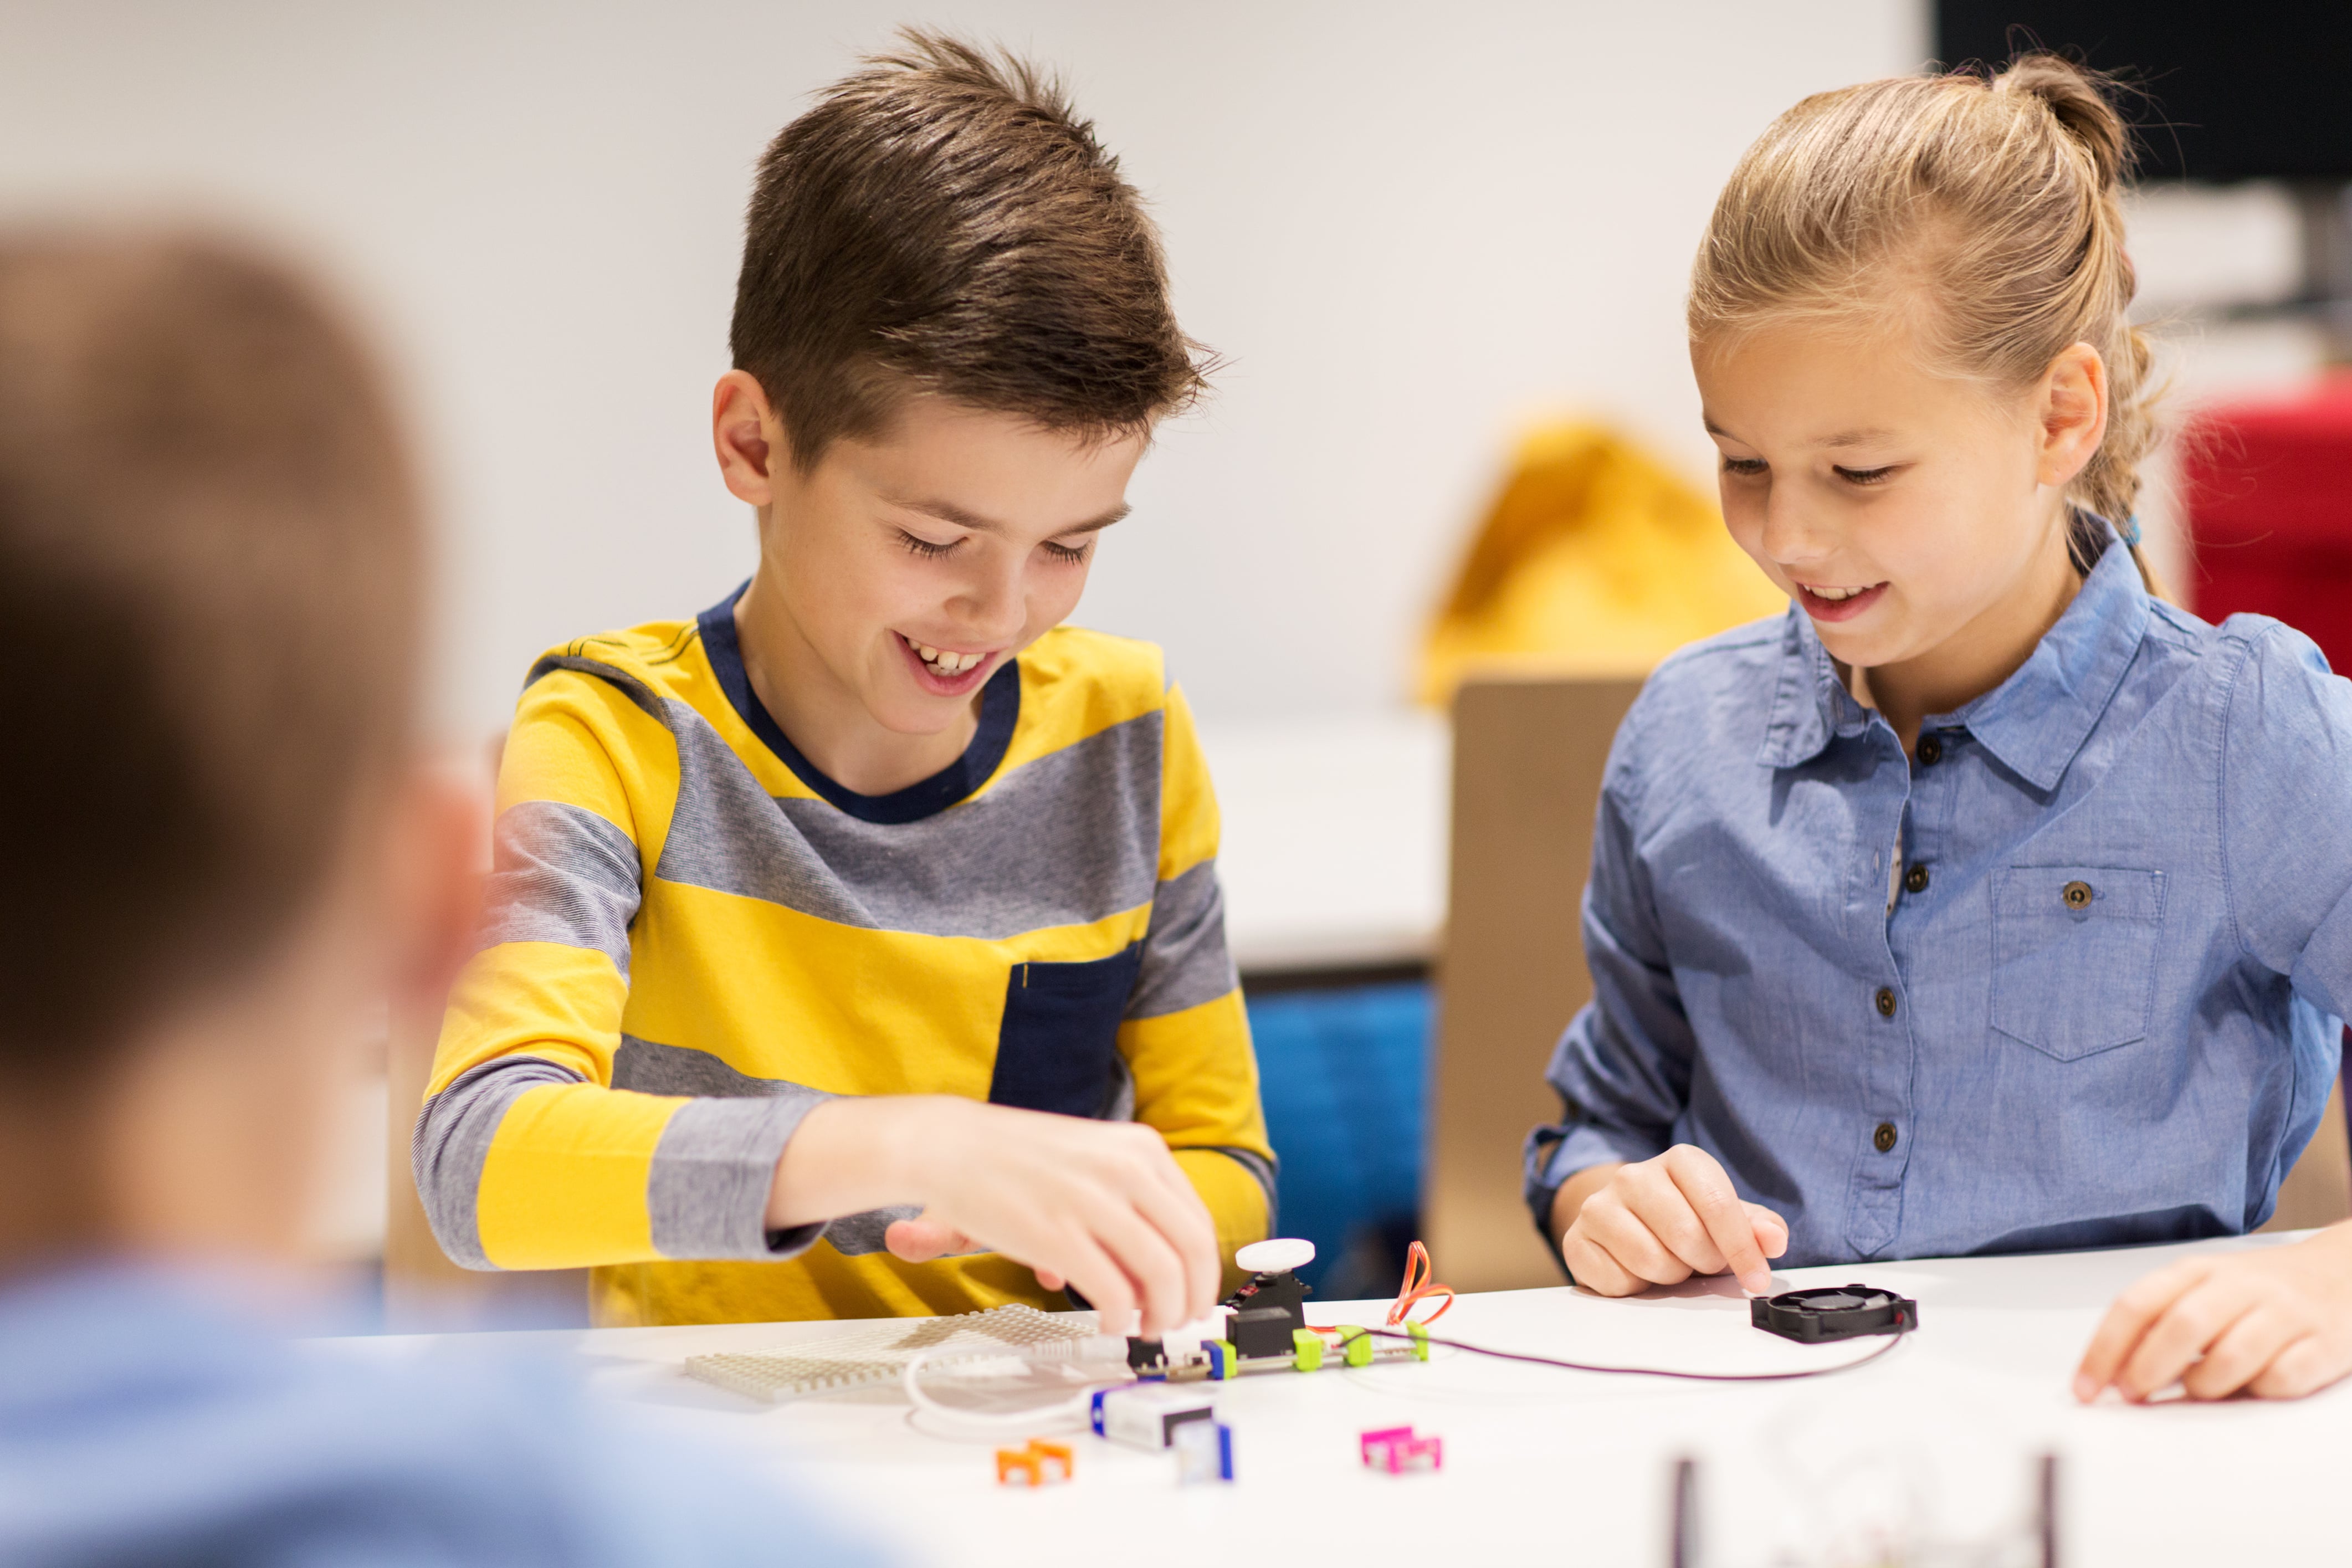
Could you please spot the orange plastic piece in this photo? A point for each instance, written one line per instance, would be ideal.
(1033, 1463)
(1419, 1285)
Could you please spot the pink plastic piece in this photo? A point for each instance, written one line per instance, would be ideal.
(1396, 1450)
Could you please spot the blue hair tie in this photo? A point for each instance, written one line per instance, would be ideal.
(2130, 532)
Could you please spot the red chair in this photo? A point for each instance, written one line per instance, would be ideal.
(2268, 487)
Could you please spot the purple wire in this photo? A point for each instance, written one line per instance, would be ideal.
(1891, 1341)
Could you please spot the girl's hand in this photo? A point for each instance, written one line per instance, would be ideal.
(1101, 1206)
(1661, 1221)
(2276, 1323)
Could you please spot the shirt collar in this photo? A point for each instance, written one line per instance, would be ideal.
(1809, 703)
(2034, 722)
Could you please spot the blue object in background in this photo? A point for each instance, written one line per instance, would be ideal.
(1344, 1073)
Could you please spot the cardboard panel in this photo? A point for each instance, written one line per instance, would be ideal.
(2319, 1191)
(1527, 758)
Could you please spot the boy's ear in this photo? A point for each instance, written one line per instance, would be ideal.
(441, 832)
(2074, 414)
(746, 434)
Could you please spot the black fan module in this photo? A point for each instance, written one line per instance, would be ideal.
(1834, 1313)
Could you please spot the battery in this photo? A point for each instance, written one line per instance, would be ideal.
(1146, 1414)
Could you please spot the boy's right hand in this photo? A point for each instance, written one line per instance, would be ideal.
(1100, 1206)
(1658, 1222)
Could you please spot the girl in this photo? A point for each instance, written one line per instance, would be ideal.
(1985, 903)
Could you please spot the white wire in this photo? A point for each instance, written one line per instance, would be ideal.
(1071, 1412)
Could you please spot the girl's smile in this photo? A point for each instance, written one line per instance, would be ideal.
(1827, 604)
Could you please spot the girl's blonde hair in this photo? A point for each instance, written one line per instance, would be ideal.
(1984, 207)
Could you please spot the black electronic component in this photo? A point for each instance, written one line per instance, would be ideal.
(1834, 1313)
(1281, 1289)
(1265, 1331)
(1267, 1312)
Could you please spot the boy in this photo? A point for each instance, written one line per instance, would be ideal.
(210, 539)
(871, 917)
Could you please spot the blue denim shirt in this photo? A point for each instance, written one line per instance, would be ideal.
(2071, 978)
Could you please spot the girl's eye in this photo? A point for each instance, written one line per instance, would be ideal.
(1865, 476)
(1746, 467)
(916, 545)
(1070, 552)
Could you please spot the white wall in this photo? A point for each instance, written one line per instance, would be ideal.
(1407, 225)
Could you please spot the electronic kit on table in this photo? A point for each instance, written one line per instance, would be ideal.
(1260, 1328)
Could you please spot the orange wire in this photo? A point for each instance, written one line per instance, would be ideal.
(1419, 1285)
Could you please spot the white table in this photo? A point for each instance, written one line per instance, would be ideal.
(1334, 838)
(1574, 1467)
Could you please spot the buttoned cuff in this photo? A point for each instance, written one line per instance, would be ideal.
(1556, 1153)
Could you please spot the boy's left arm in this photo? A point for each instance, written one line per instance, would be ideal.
(2275, 1322)
(1186, 1038)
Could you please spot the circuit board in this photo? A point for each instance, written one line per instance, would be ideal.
(879, 1354)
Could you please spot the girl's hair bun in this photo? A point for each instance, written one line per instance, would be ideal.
(1981, 212)
(2078, 97)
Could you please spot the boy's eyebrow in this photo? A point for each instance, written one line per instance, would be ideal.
(948, 511)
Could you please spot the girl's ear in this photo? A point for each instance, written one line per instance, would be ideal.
(2072, 408)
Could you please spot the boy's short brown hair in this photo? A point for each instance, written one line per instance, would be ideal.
(943, 221)
(211, 569)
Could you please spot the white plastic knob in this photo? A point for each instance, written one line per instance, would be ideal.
(1274, 1256)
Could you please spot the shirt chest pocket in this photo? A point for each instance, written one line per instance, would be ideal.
(2074, 956)
(1060, 1033)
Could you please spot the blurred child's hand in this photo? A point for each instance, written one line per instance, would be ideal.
(1100, 1206)
(2276, 1323)
(1660, 1221)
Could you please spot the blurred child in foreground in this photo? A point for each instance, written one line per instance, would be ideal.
(210, 574)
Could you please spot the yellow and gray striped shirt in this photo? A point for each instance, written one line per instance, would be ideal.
(693, 937)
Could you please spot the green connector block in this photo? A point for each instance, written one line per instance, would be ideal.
(1355, 1345)
(1308, 1348)
(1420, 1341)
(1223, 1359)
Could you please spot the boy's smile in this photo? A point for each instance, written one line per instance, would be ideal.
(899, 573)
(946, 672)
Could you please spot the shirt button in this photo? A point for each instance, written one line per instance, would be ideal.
(2077, 895)
(1916, 878)
(1931, 751)
(1886, 1002)
(1883, 1139)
